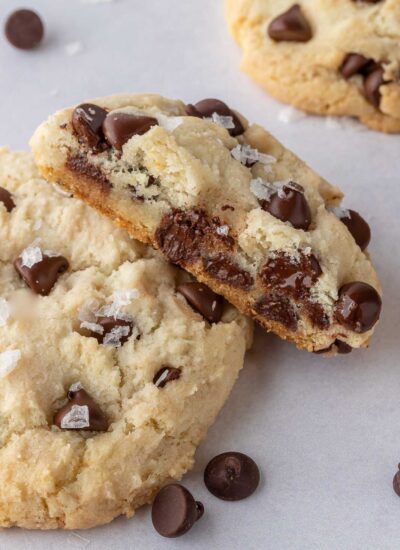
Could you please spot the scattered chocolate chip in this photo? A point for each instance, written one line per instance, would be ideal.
(353, 64)
(295, 276)
(203, 300)
(290, 26)
(396, 482)
(24, 29)
(165, 375)
(109, 325)
(372, 83)
(80, 165)
(42, 276)
(119, 127)
(222, 269)
(278, 307)
(289, 204)
(87, 121)
(207, 107)
(357, 226)
(7, 199)
(175, 511)
(232, 476)
(358, 307)
(81, 412)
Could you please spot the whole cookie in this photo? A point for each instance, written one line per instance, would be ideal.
(330, 57)
(228, 203)
(93, 423)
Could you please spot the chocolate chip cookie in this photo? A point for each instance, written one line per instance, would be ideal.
(113, 363)
(330, 57)
(227, 202)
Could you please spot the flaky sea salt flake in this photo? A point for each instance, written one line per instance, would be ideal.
(4, 312)
(224, 121)
(8, 361)
(261, 189)
(113, 338)
(223, 230)
(76, 419)
(93, 327)
(76, 387)
(31, 256)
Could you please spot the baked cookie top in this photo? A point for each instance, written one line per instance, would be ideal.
(331, 57)
(227, 202)
(110, 372)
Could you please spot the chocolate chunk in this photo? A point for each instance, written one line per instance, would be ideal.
(396, 482)
(109, 325)
(87, 121)
(207, 107)
(372, 83)
(119, 127)
(165, 375)
(232, 476)
(7, 199)
(289, 204)
(81, 412)
(358, 227)
(42, 276)
(353, 64)
(279, 308)
(203, 300)
(294, 276)
(290, 26)
(80, 165)
(315, 313)
(358, 307)
(222, 269)
(175, 511)
(24, 29)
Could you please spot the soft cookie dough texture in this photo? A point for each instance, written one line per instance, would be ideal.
(52, 477)
(225, 201)
(309, 74)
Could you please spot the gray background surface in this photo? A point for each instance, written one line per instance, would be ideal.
(325, 433)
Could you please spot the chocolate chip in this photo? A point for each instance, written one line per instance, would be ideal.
(42, 276)
(289, 204)
(353, 64)
(203, 300)
(290, 26)
(358, 307)
(24, 29)
(357, 226)
(165, 375)
(207, 107)
(119, 127)
(232, 476)
(175, 511)
(7, 199)
(295, 276)
(278, 307)
(396, 482)
(372, 83)
(224, 270)
(109, 325)
(87, 121)
(80, 165)
(81, 412)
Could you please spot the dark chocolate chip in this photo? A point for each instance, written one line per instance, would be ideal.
(315, 313)
(119, 127)
(42, 276)
(224, 270)
(7, 199)
(87, 121)
(110, 323)
(290, 26)
(175, 511)
(358, 227)
(289, 204)
(77, 418)
(396, 482)
(353, 64)
(372, 83)
(80, 165)
(207, 107)
(203, 300)
(165, 375)
(232, 476)
(24, 29)
(358, 307)
(294, 276)
(278, 307)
